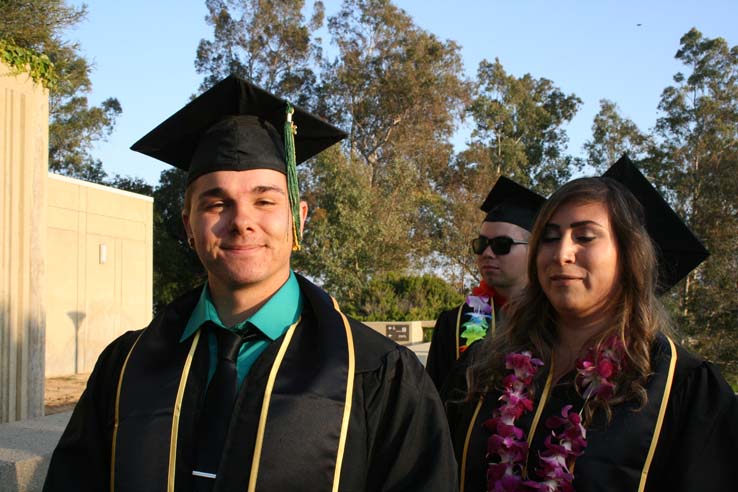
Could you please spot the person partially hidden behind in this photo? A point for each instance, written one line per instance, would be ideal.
(501, 255)
(584, 387)
(256, 380)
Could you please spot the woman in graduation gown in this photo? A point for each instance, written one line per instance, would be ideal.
(584, 387)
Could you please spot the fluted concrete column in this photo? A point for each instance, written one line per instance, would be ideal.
(24, 142)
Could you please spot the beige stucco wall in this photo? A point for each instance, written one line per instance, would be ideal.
(24, 142)
(99, 270)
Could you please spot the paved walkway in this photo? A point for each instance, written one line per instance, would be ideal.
(421, 350)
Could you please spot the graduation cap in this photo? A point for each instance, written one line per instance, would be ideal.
(510, 202)
(679, 251)
(237, 126)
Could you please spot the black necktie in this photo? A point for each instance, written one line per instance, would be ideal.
(219, 399)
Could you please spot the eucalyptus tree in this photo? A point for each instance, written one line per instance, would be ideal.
(519, 131)
(74, 124)
(269, 43)
(698, 160)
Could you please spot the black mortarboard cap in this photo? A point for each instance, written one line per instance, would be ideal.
(679, 250)
(510, 202)
(235, 126)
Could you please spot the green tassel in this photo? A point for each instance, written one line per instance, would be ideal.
(290, 129)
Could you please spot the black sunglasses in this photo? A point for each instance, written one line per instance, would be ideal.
(500, 245)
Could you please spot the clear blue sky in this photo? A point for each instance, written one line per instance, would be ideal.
(144, 52)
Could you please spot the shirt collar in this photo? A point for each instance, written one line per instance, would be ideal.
(272, 319)
(280, 311)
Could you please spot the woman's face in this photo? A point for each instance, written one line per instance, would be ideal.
(577, 260)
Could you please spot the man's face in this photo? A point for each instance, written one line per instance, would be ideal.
(241, 225)
(505, 273)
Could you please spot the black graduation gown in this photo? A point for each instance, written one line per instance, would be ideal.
(695, 450)
(444, 349)
(396, 439)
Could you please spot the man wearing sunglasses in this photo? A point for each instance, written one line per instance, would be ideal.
(501, 250)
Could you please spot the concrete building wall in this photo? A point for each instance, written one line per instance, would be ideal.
(99, 270)
(24, 143)
(402, 332)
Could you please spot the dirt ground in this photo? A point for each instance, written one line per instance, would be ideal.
(63, 392)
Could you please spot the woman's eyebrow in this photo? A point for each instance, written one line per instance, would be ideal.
(585, 223)
(580, 223)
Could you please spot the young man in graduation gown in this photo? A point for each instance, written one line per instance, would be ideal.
(501, 253)
(255, 381)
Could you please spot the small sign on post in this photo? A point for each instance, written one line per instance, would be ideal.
(399, 332)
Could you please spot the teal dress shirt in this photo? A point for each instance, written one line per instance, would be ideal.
(272, 319)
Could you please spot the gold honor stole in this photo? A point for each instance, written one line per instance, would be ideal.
(290, 420)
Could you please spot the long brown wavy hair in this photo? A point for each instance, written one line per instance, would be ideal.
(530, 321)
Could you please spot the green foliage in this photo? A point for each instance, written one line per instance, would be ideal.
(394, 86)
(31, 23)
(74, 125)
(74, 129)
(339, 245)
(397, 297)
(519, 127)
(394, 197)
(266, 42)
(396, 89)
(697, 160)
(692, 156)
(176, 266)
(519, 132)
(613, 136)
(38, 66)
(130, 183)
